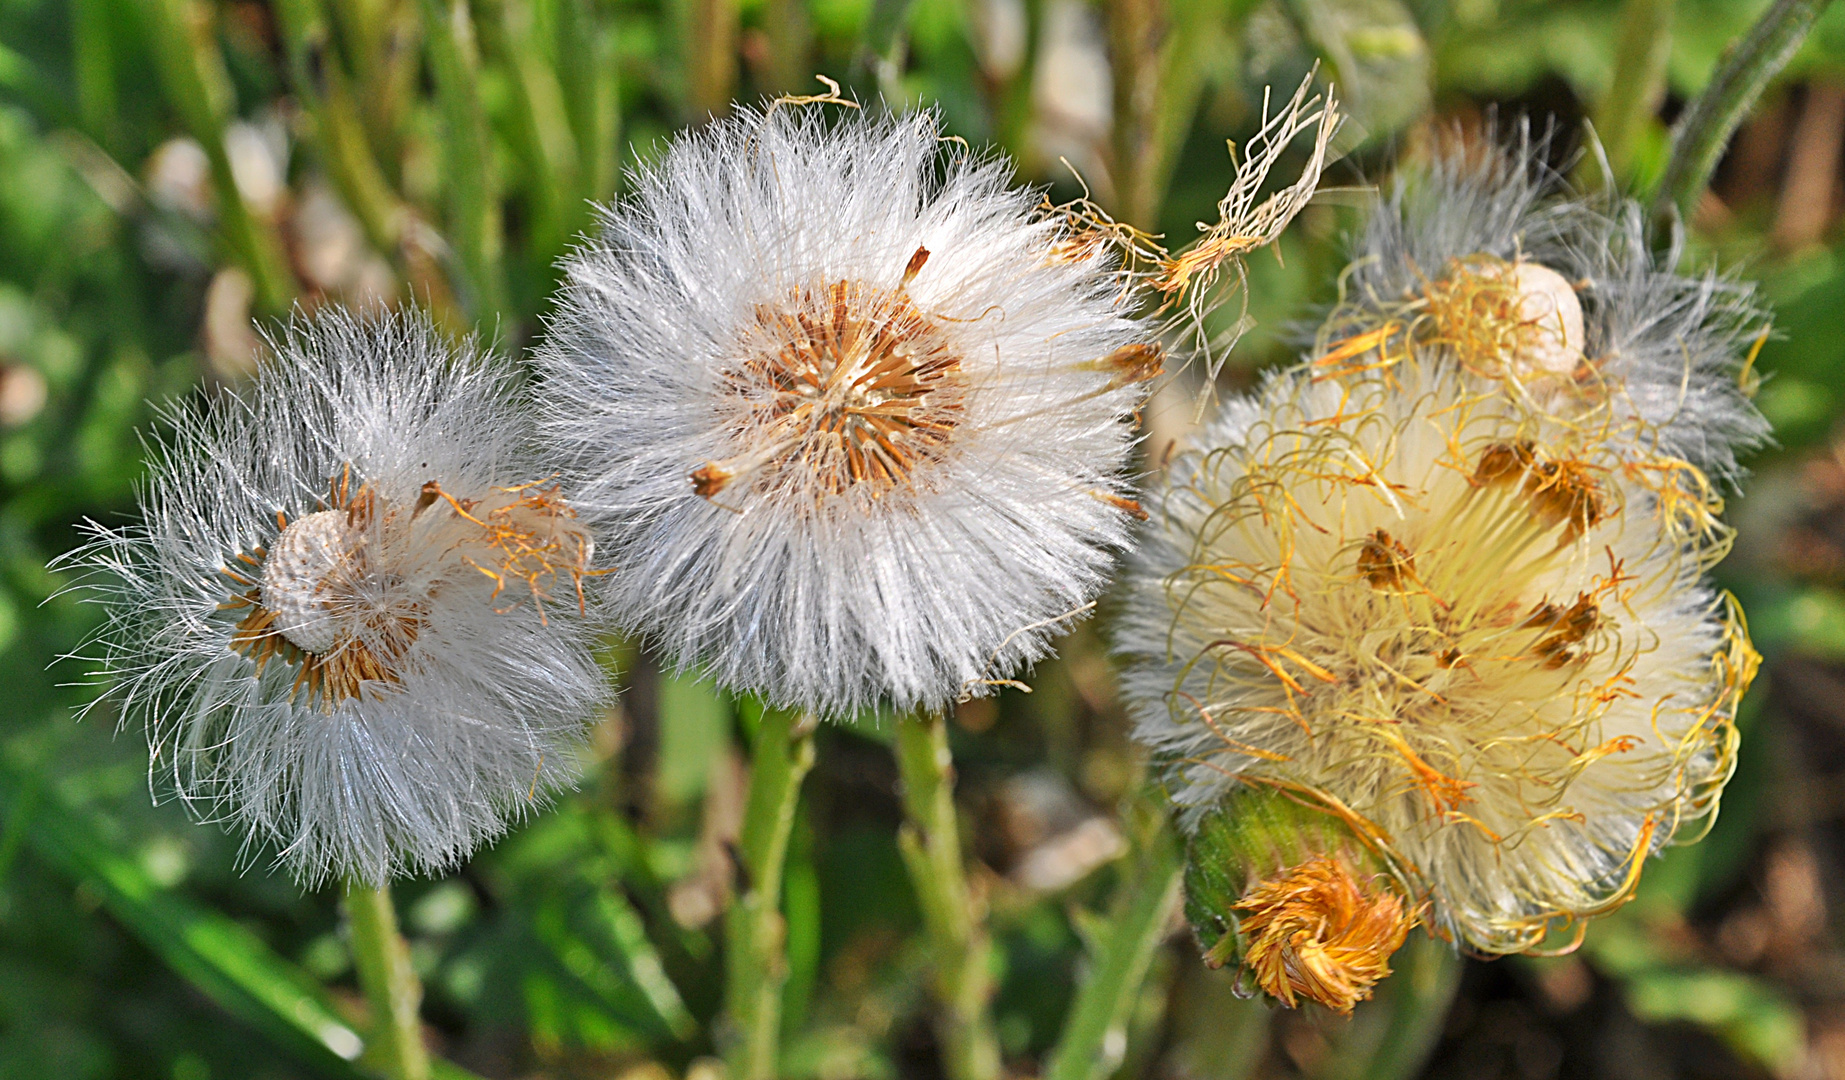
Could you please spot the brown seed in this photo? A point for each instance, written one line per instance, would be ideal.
(1384, 562)
(709, 479)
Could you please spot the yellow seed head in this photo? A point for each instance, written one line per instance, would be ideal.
(1476, 630)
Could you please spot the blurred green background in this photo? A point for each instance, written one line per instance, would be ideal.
(170, 169)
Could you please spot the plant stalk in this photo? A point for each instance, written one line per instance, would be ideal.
(1095, 1035)
(952, 917)
(473, 207)
(1700, 136)
(791, 42)
(711, 57)
(389, 982)
(755, 931)
(1639, 84)
(193, 75)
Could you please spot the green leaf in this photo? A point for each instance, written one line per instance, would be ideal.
(228, 963)
(589, 932)
(224, 960)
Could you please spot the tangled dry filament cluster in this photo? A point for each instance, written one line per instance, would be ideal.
(1316, 931)
(325, 596)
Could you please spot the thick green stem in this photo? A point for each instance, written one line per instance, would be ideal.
(1095, 1035)
(1639, 85)
(791, 43)
(1700, 136)
(755, 931)
(931, 844)
(1158, 55)
(711, 57)
(390, 984)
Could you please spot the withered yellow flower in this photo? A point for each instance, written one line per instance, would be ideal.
(1473, 632)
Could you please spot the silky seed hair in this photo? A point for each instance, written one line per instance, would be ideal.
(850, 415)
(1587, 311)
(353, 616)
(1475, 632)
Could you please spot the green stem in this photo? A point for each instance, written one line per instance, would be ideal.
(1700, 136)
(1639, 84)
(1095, 1036)
(321, 86)
(791, 43)
(755, 931)
(473, 210)
(390, 983)
(1158, 51)
(193, 76)
(711, 59)
(931, 845)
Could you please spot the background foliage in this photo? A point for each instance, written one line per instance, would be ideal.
(171, 168)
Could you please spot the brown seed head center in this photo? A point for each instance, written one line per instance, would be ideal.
(325, 597)
(846, 386)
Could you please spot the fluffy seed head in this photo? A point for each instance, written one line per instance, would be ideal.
(849, 414)
(1485, 251)
(1474, 629)
(352, 616)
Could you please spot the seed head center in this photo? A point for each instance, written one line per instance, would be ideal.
(309, 555)
(845, 385)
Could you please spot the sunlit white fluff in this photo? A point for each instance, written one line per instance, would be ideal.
(348, 615)
(849, 416)
(1476, 632)
(1670, 347)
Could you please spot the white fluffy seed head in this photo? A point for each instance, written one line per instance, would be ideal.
(350, 617)
(849, 416)
(1666, 348)
(1473, 631)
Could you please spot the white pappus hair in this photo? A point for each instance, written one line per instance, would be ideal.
(349, 616)
(849, 416)
(1672, 346)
